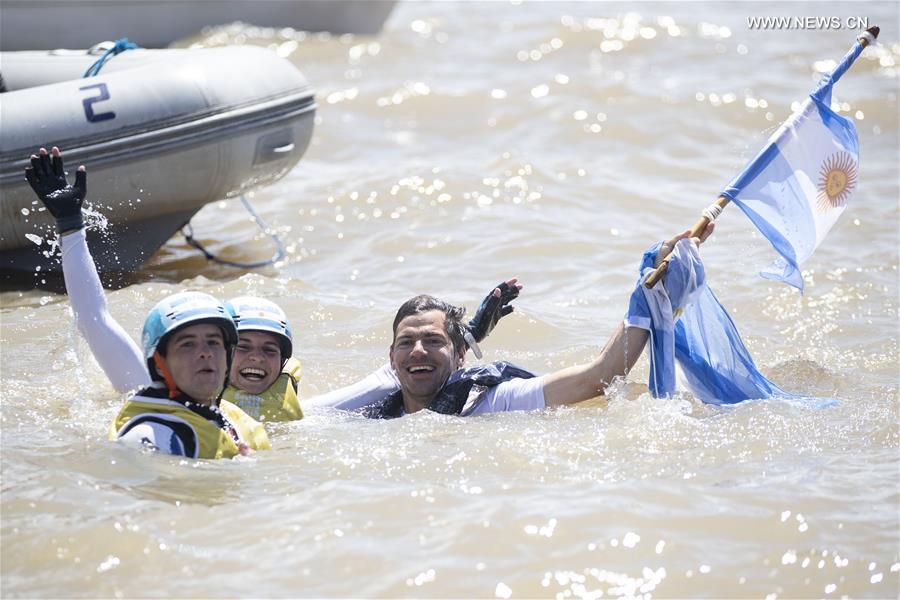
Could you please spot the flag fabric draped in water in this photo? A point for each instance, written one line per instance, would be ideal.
(715, 364)
(692, 336)
(798, 185)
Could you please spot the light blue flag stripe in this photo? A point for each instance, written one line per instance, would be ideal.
(715, 363)
(822, 93)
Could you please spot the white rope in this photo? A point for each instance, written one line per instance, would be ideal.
(712, 212)
(867, 36)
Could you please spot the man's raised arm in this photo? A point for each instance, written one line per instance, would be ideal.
(583, 382)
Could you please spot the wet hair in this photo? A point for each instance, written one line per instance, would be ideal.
(453, 326)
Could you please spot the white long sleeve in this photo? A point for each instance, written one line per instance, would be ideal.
(115, 351)
(373, 388)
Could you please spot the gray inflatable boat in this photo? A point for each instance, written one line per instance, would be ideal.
(38, 24)
(162, 132)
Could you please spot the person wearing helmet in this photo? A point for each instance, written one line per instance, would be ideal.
(187, 342)
(264, 372)
(265, 375)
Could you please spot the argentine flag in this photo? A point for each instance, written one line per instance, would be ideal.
(798, 185)
(694, 344)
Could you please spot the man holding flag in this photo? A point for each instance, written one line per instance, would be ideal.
(794, 190)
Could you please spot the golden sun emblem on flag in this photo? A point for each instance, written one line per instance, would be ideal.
(837, 178)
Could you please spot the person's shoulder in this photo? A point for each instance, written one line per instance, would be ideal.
(511, 395)
(519, 385)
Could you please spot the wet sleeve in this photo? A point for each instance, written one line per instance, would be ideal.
(373, 388)
(515, 394)
(116, 353)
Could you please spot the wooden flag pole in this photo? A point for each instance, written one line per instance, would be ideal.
(716, 208)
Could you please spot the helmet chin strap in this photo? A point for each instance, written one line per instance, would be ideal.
(229, 359)
(163, 369)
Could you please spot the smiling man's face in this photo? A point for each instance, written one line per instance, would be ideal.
(423, 357)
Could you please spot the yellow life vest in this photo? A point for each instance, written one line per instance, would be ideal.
(278, 403)
(212, 440)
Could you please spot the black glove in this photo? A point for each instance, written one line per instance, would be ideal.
(492, 309)
(48, 180)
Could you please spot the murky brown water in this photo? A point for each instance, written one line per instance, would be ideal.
(465, 144)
